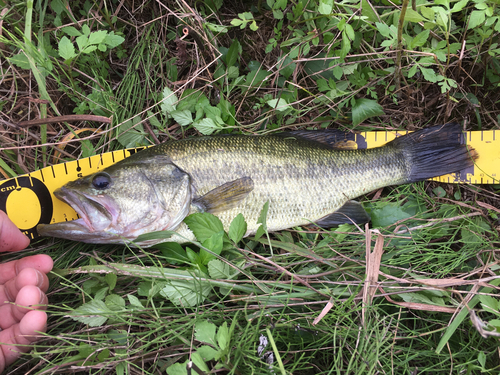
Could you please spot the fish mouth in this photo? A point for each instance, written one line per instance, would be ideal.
(97, 214)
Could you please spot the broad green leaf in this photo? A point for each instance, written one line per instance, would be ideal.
(325, 6)
(413, 16)
(217, 269)
(115, 302)
(82, 41)
(208, 353)
(89, 49)
(489, 304)
(233, 53)
(459, 6)
(169, 102)
(71, 31)
(111, 280)
(205, 332)
(66, 49)
(131, 133)
(214, 243)
(477, 17)
(238, 228)
(183, 117)
(278, 104)
(262, 220)
(20, 60)
(383, 29)
(420, 39)
(412, 71)
(206, 126)
(367, 10)
(223, 336)
(174, 252)
(57, 6)
(386, 214)
(94, 313)
(186, 293)
(237, 22)
(97, 37)
(429, 74)
(427, 13)
(204, 225)
(86, 29)
(481, 358)
(350, 32)
(365, 108)
(113, 40)
(134, 301)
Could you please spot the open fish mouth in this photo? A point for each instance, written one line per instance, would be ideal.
(98, 215)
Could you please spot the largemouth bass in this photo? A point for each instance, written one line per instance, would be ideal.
(301, 174)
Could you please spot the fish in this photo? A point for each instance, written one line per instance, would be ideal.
(302, 176)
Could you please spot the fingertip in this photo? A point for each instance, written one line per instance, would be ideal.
(33, 322)
(11, 238)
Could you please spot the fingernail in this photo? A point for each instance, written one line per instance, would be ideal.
(39, 278)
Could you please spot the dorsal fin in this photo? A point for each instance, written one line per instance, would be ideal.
(333, 138)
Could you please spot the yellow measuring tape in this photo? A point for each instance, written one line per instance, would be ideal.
(28, 199)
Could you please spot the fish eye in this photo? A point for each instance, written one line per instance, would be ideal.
(101, 181)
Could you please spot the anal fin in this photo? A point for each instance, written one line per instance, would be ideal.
(350, 213)
(226, 196)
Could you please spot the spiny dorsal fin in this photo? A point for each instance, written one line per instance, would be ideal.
(226, 196)
(349, 213)
(333, 138)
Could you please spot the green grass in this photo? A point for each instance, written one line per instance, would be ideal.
(120, 310)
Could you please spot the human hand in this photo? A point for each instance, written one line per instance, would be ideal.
(23, 282)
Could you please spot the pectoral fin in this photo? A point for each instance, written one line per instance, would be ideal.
(226, 196)
(349, 213)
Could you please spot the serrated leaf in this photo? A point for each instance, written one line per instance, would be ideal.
(413, 16)
(278, 104)
(71, 31)
(223, 336)
(325, 6)
(238, 228)
(66, 49)
(134, 301)
(82, 41)
(459, 6)
(169, 102)
(183, 117)
(115, 302)
(427, 13)
(420, 39)
(113, 40)
(383, 29)
(349, 32)
(186, 293)
(97, 37)
(208, 353)
(364, 109)
(477, 17)
(217, 269)
(429, 74)
(204, 225)
(131, 133)
(20, 60)
(214, 244)
(89, 49)
(206, 126)
(205, 332)
(93, 313)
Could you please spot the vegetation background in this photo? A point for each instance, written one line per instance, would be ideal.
(417, 297)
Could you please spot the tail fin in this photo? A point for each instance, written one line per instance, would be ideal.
(435, 151)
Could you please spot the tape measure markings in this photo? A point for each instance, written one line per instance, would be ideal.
(35, 189)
